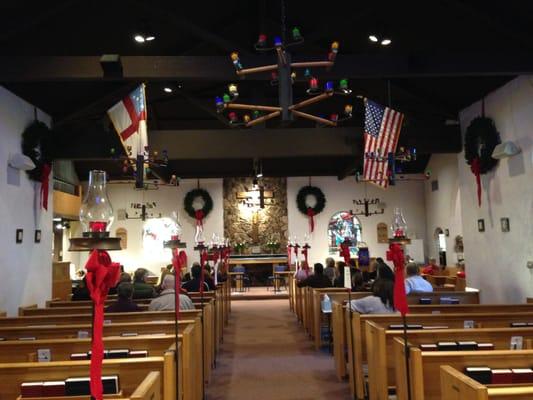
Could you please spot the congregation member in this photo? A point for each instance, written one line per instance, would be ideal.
(317, 280)
(339, 280)
(330, 270)
(380, 302)
(414, 283)
(124, 277)
(193, 285)
(125, 301)
(358, 285)
(303, 273)
(370, 272)
(222, 273)
(384, 271)
(81, 292)
(141, 289)
(432, 268)
(166, 299)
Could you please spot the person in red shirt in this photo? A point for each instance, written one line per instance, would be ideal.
(432, 268)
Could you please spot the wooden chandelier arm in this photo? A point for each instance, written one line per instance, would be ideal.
(314, 118)
(253, 107)
(255, 70)
(312, 100)
(310, 64)
(263, 118)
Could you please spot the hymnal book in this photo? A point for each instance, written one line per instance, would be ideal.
(31, 389)
(502, 376)
(27, 338)
(424, 300)
(428, 347)
(54, 388)
(81, 386)
(467, 345)
(447, 346)
(79, 356)
(118, 353)
(485, 346)
(481, 374)
(138, 353)
(522, 375)
(518, 324)
(430, 327)
(110, 383)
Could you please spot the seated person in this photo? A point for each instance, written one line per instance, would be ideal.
(81, 292)
(357, 280)
(380, 302)
(339, 280)
(124, 302)
(124, 277)
(383, 270)
(414, 282)
(303, 273)
(432, 268)
(370, 272)
(141, 289)
(222, 274)
(166, 299)
(194, 284)
(317, 280)
(330, 270)
(164, 272)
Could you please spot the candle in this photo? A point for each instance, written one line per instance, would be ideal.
(307, 73)
(218, 101)
(232, 88)
(246, 118)
(274, 76)
(329, 86)
(262, 39)
(296, 35)
(232, 116)
(348, 109)
(334, 117)
(277, 41)
(335, 47)
(343, 84)
(226, 98)
(313, 83)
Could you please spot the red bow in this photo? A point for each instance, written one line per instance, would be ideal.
(304, 252)
(395, 254)
(102, 274)
(179, 259)
(311, 215)
(475, 167)
(216, 255)
(199, 215)
(345, 252)
(45, 176)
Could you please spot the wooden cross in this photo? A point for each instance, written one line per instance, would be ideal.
(258, 199)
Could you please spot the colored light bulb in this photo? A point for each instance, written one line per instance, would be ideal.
(334, 117)
(226, 98)
(331, 56)
(234, 56)
(232, 116)
(313, 83)
(262, 39)
(343, 84)
(307, 73)
(246, 118)
(256, 114)
(112, 150)
(348, 109)
(329, 86)
(274, 76)
(218, 101)
(293, 75)
(296, 35)
(277, 41)
(335, 46)
(232, 88)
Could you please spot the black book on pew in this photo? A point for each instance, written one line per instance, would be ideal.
(428, 347)
(81, 386)
(79, 356)
(447, 346)
(466, 345)
(53, 389)
(138, 353)
(31, 389)
(424, 300)
(118, 353)
(485, 346)
(481, 374)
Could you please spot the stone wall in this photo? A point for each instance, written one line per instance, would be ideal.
(270, 222)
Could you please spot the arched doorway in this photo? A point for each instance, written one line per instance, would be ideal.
(440, 244)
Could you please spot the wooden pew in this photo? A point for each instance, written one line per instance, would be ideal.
(380, 352)
(131, 373)
(425, 367)
(149, 388)
(457, 386)
(451, 320)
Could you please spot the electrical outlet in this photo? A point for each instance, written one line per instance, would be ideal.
(530, 264)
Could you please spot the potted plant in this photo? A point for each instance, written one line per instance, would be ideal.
(239, 247)
(273, 246)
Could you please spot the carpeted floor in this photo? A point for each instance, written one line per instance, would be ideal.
(267, 355)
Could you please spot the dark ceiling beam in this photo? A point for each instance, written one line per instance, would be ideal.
(202, 105)
(219, 68)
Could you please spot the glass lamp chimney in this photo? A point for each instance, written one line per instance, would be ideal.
(96, 213)
(399, 226)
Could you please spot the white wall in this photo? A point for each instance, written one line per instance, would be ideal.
(443, 207)
(26, 269)
(168, 199)
(496, 261)
(408, 195)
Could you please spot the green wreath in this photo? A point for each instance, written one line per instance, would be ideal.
(189, 199)
(310, 191)
(37, 145)
(480, 140)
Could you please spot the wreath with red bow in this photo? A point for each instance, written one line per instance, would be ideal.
(198, 214)
(480, 140)
(301, 198)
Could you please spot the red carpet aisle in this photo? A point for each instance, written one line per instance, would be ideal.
(266, 355)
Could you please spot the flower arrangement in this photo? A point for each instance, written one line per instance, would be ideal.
(272, 245)
(239, 247)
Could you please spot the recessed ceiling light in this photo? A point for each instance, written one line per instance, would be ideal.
(149, 38)
(139, 38)
(168, 89)
(386, 42)
(373, 38)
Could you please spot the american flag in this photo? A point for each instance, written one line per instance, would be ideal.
(382, 130)
(129, 119)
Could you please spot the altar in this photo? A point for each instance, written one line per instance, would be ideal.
(258, 266)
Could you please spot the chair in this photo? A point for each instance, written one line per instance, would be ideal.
(277, 280)
(242, 281)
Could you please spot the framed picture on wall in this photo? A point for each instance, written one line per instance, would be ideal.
(505, 224)
(19, 235)
(481, 225)
(37, 238)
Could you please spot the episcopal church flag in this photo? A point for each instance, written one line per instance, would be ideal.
(382, 130)
(129, 119)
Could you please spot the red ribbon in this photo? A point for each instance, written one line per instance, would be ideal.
(311, 215)
(475, 167)
(395, 254)
(199, 215)
(345, 252)
(304, 252)
(179, 259)
(102, 274)
(45, 179)
(289, 254)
